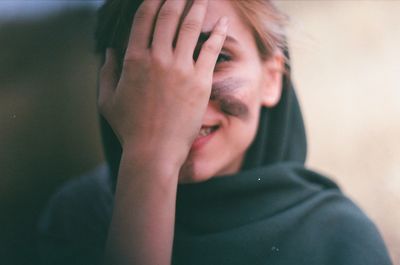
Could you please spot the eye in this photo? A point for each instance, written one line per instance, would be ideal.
(223, 58)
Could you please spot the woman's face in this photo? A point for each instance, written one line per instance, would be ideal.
(242, 83)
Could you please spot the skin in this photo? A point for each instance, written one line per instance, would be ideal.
(242, 83)
(167, 91)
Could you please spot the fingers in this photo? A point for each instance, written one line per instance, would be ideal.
(142, 28)
(166, 26)
(108, 79)
(190, 30)
(210, 50)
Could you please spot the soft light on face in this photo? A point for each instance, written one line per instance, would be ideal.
(242, 84)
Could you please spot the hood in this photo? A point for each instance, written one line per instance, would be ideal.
(280, 137)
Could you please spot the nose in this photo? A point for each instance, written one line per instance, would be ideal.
(213, 113)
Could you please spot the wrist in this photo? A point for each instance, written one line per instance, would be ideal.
(165, 154)
(156, 162)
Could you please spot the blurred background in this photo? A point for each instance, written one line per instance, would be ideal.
(346, 67)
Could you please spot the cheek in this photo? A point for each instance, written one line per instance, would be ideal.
(251, 97)
(241, 136)
(242, 131)
(246, 129)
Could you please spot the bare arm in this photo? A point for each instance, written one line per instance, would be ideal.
(156, 109)
(142, 226)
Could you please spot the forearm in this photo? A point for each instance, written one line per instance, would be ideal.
(161, 96)
(142, 226)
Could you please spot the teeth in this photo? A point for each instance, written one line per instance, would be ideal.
(205, 131)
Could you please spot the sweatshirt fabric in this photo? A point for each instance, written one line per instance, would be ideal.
(274, 211)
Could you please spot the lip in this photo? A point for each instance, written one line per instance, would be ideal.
(202, 141)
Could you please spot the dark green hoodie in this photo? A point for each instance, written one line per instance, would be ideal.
(273, 212)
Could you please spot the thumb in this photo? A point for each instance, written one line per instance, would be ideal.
(108, 79)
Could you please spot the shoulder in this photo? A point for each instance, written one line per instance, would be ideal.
(336, 226)
(343, 228)
(77, 216)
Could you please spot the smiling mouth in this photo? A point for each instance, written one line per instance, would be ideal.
(205, 134)
(206, 130)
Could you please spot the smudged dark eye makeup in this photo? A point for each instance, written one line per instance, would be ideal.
(223, 91)
(223, 58)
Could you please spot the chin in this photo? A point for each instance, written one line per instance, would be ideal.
(198, 168)
(193, 171)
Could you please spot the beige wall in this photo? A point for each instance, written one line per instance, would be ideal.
(346, 63)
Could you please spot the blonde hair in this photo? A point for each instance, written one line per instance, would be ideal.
(264, 19)
(267, 23)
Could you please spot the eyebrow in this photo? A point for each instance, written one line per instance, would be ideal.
(206, 34)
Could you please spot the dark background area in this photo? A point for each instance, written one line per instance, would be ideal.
(48, 120)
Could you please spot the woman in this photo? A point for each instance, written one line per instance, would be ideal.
(206, 148)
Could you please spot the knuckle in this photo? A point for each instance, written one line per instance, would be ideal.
(135, 63)
(219, 33)
(181, 71)
(210, 48)
(159, 61)
(143, 11)
(135, 56)
(168, 12)
(200, 3)
(191, 25)
(200, 92)
(202, 84)
(128, 66)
